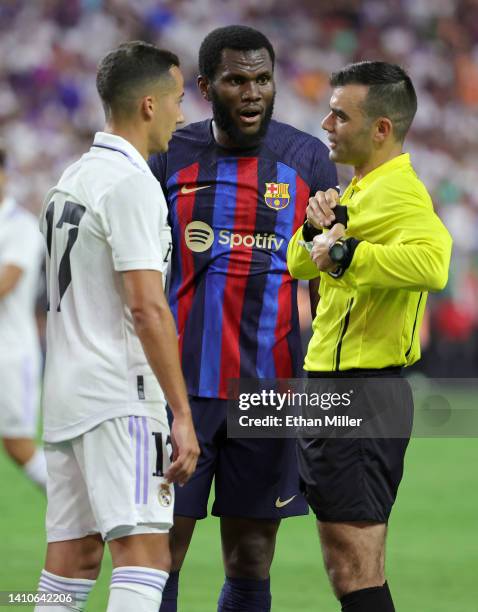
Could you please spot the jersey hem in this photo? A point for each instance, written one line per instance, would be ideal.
(69, 433)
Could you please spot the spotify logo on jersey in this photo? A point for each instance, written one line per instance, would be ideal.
(199, 236)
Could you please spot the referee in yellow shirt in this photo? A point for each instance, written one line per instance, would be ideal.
(375, 275)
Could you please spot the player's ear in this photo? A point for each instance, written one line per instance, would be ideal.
(383, 129)
(147, 106)
(203, 84)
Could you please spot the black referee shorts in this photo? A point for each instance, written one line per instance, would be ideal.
(356, 479)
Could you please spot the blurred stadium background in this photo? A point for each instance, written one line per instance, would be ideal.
(48, 113)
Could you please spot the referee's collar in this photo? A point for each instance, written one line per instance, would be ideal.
(393, 164)
(113, 142)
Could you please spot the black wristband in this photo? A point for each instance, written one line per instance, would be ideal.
(341, 216)
(309, 231)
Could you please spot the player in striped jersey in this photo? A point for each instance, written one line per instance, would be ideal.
(237, 188)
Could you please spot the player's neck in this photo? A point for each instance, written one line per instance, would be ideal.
(220, 136)
(223, 139)
(131, 134)
(379, 157)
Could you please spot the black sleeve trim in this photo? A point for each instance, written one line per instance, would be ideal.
(309, 232)
(351, 244)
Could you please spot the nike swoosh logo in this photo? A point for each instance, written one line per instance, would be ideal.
(281, 504)
(185, 189)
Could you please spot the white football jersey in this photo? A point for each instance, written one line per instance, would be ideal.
(21, 245)
(106, 215)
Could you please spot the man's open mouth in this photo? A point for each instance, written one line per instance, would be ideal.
(250, 115)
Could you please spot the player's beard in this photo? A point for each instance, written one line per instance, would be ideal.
(224, 121)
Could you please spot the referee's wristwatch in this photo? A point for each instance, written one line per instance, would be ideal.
(341, 253)
(338, 252)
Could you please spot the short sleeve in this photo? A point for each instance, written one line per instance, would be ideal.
(134, 219)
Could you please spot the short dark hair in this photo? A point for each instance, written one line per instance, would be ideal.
(125, 69)
(391, 93)
(237, 37)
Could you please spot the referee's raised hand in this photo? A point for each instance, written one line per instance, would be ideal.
(320, 211)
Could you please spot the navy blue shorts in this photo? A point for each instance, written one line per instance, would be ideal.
(253, 478)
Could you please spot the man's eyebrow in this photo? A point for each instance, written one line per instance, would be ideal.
(338, 112)
(245, 73)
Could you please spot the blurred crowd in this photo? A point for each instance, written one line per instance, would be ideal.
(49, 109)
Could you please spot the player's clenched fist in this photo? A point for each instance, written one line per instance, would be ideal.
(320, 209)
(320, 251)
(185, 450)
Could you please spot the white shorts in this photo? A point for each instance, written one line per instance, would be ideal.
(110, 481)
(19, 396)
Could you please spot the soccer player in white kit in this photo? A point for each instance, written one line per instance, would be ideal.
(21, 252)
(112, 354)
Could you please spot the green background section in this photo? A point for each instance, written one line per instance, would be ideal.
(432, 547)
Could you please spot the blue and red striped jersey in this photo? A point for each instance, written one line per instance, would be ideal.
(232, 214)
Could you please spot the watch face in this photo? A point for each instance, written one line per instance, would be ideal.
(337, 252)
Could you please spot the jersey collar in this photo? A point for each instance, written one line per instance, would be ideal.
(113, 142)
(399, 161)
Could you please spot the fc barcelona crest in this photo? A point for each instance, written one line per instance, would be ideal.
(277, 195)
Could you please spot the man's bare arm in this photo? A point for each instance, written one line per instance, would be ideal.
(155, 327)
(9, 277)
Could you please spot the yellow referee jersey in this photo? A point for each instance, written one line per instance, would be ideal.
(371, 316)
